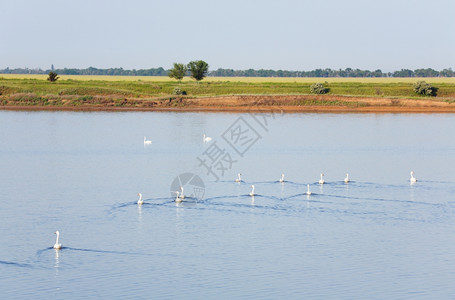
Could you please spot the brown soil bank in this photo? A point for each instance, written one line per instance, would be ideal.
(240, 103)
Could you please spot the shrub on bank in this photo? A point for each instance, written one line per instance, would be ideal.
(318, 88)
(423, 88)
(178, 91)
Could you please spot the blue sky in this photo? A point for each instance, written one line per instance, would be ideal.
(286, 34)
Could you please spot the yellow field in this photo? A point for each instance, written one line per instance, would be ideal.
(235, 79)
(92, 77)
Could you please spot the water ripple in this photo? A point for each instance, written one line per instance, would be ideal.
(15, 264)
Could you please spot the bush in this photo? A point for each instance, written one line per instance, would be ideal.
(178, 91)
(423, 88)
(318, 88)
(52, 77)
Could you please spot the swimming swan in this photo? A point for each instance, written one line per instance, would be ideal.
(147, 142)
(206, 138)
(282, 178)
(321, 181)
(308, 190)
(346, 180)
(140, 201)
(181, 194)
(252, 194)
(178, 199)
(238, 178)
(57, 245)
(413, 179)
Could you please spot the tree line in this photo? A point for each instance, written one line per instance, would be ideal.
(91, 71)
(348, 72)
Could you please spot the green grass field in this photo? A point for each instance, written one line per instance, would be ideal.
(160, 87)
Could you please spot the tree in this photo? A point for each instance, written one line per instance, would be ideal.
(404, 73)
(447, 73)
(178, 72)
(198, 69)
(378, 73)
(52, 77)
(426, 73)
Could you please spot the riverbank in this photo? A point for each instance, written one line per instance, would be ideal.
(245, 103)
(82, 93)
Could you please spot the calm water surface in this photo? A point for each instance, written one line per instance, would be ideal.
(377, 237)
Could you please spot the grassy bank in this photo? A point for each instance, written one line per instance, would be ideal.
(35, 90)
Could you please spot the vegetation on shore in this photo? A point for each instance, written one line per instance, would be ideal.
(147, 93)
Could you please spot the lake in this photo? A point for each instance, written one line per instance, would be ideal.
(376, 237)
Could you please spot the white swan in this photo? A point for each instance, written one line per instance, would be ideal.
(321, 181)
(178, 199)
(413, 179)
(238, 179)
(282, 178)
(252, 194)
(346, 180)
(147, 142)
(140, 201)
(206, 138)
(57, 245)
(181, 196)
(308, 192)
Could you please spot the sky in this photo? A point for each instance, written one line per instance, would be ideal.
(232, 34)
